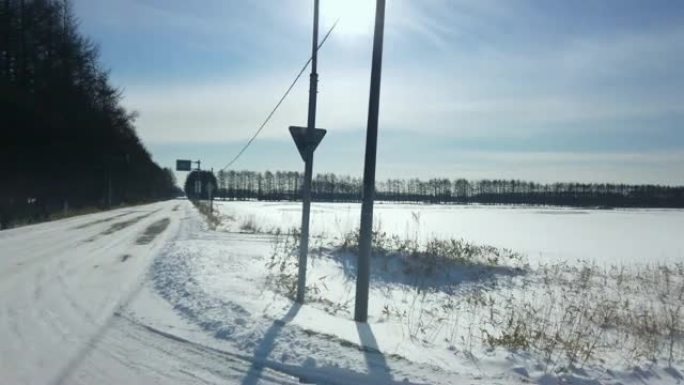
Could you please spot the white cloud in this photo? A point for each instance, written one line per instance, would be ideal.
(447, 89)
(229, 109)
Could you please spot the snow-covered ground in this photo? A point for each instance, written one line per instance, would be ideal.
(541, 233)
(68, 290)
(152, 294)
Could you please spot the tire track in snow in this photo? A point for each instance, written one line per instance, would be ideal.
(152, 231)
(102, 319)
(104, 220)
(51, 306)
(102, 251)
(48, 243)
(118, 226)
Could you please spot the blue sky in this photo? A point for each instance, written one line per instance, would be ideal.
(588, 91)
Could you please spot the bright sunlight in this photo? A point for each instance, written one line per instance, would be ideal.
(356, 16)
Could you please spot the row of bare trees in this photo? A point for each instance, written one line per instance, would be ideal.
(285, 185)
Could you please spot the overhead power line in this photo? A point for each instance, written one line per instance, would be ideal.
(287, 92)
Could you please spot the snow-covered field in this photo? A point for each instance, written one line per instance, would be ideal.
(542, 234)
(154, 294)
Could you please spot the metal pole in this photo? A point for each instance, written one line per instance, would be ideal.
(308, 162)
(363, 273)
(211, 195)
(211, 199)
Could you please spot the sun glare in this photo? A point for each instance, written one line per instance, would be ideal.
(356, 16)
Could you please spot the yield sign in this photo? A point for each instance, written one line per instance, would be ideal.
(302, 142)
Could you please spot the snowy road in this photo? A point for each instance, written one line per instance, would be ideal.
(64, 289)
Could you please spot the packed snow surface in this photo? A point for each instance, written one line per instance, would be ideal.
(154, 294)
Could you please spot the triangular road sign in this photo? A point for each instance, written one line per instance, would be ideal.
(300, 139)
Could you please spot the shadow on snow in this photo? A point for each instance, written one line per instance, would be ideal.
(432, 273)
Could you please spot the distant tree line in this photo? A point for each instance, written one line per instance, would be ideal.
(286, 185)
(66, 140)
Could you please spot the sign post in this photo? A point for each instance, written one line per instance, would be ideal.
(210, 191)
(366, 232)
(306, 140)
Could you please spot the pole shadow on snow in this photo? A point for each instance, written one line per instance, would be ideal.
(375, 360)
(266, 345)
(378, 370)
